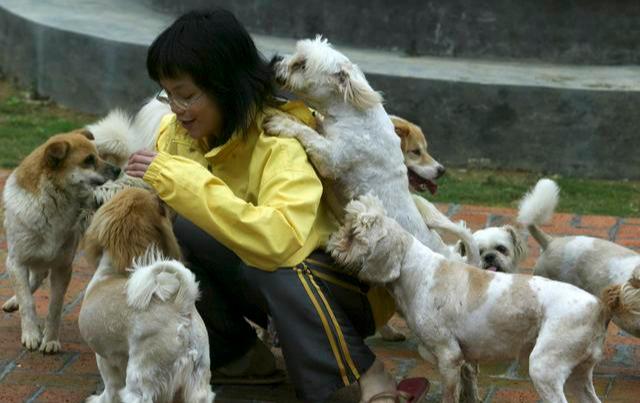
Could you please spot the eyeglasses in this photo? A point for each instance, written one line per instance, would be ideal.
(178, 103)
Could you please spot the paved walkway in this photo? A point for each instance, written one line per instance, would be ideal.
(72, 375)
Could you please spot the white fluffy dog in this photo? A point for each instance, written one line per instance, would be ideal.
(593, 264)
(461, 313)
(48, 202)
(358, 150)
(501, 248)
(138, 314)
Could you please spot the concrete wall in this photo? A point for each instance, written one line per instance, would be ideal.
(558, 31)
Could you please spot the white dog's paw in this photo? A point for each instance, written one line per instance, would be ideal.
(31, 339)
(281, 126)
(11, 305)
(50, 347)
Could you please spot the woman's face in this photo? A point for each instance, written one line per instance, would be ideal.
(201, 117)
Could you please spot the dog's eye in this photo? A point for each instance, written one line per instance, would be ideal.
(502, 249)
(416, 152)
(89, 161)
(299, 65)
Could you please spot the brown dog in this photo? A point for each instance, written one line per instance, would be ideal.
(48, 201)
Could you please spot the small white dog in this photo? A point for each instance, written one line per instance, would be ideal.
(464, 314)
(358, 150)
(501, 248)
(593, 264)
(48, 202)
(138, 314)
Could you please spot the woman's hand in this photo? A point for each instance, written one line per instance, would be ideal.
(139, 163)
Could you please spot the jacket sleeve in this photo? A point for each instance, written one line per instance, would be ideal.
(263, 234)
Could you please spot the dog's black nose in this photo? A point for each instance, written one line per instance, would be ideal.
(440, 171)
(489, 257)
(275, 59)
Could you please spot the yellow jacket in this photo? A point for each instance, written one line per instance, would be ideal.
(259, 196)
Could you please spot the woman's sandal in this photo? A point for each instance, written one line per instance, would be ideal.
(410, 390)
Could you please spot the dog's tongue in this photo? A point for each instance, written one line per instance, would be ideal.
(421, 184)
(492, 268)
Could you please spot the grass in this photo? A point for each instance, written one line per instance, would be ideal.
(505, 189)
(24, 124)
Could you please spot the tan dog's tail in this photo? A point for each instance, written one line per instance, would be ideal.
(439, 222)
(156, 278)
(537, 207)
(624, 298)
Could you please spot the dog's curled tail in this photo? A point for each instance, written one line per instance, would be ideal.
(441, 223)
(111, 134)
(537, 207)
(145, 125)
(624, 298)
(155, 277)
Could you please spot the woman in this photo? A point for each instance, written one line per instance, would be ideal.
(252, 222)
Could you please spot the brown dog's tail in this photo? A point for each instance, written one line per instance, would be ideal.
(537, 207)
(624, 298)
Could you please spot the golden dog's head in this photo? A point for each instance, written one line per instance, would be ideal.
(422, 168)
(69, 161)
(127, 225)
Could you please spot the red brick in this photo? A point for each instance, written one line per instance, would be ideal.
(85, 364)
(508, 212)
(628, 232)
(474, 221)
(624, 391)
(514, 396)
(40, 363)
(64, 395)
(598, 221)
(16, 393)
(629, 243)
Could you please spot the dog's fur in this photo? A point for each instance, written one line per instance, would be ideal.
(501, 248)
(118, 135)
(358, 150)
(595, 265)
(48, 201)
(461, 313)
(149, 340)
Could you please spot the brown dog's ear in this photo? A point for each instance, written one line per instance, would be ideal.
(56, 152)
(85, 132)
(401, 130)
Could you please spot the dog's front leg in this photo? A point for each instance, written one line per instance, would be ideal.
(59, 279)
(31, 335)
(35, 280)
(318, 147)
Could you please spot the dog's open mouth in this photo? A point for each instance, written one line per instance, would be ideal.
(421, 184)
(492, 268)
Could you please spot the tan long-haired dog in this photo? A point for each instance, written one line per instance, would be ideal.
(138, 313)
(48, 201)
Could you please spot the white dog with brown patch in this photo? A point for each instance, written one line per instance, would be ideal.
(358, 150)
(593, 264)
(138, 314)
(48, 201)
(464, 314)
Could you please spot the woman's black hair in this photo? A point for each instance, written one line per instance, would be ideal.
(216, 51)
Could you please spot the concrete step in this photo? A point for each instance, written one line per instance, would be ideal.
(572, 120)
(574, 32)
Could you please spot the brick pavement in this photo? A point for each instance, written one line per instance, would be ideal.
(72, 375)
